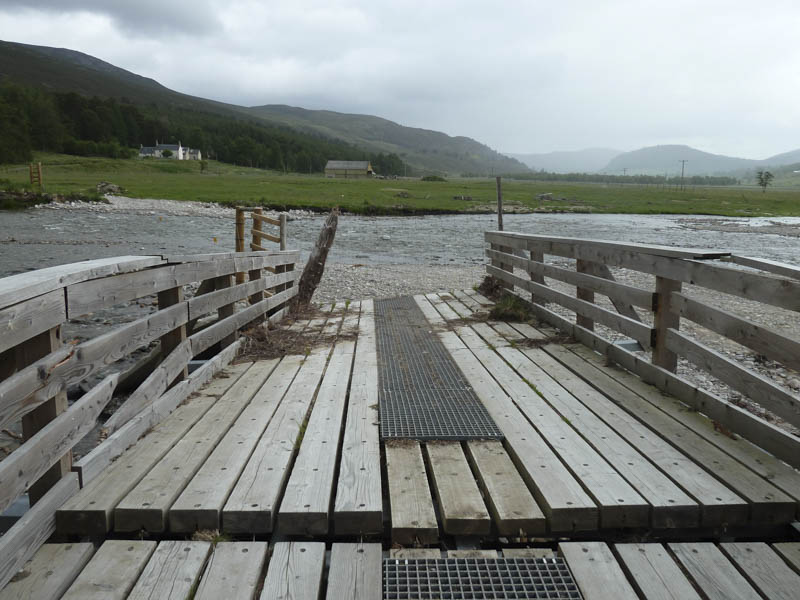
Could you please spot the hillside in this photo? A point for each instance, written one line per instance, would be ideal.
(588, 160)
(63, 70)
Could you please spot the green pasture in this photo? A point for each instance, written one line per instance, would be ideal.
(231, 185)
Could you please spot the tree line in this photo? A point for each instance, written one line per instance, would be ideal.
(622, 179)
(32, 119)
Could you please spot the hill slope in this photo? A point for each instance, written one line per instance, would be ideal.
(63, 70)
(588, 160)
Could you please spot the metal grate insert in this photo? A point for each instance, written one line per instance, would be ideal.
(422, 394)
(461, 578)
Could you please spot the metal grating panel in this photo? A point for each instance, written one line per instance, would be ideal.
(422, 393)
(457, 578)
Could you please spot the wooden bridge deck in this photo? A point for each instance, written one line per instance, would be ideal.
(282, 458)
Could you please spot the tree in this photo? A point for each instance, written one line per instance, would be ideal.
(166, 153)
(764, 179)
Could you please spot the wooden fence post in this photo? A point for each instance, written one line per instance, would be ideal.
(172, 339)
(499, 204)
(26, 353)
(665, 319)
(284, 220)
(538, 256)
(240, 222)
(284, 268)
(220, 283)
(255, 274)
(584, 266)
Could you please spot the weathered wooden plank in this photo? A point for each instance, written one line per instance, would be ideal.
(265, 236)
(31, 460)
(514, 511)
(760, 338)
(22, 321)
(596, 571)
(467, 300)
(49, 573)
(415, 553)
(18, 288)
(764, 569)
(266, 219)
(295, 571)
(460, 503)
(233, 571)
(91, 511)
(623, 305)
(753, 385)
(410, 501)
(90, 465)
(305, 507)
(771, 266)
(736, 419)
(355, 572)
(112, 572)
(206, 303)
(620, 505)
(152, 387)
(146, 505)
(665, 320)
(253, 503)
(634, 329)
(172, 571)
(654, 573)
(790, 552)
(25, 537)
(714, 574)
(767, 503)
(200, 504)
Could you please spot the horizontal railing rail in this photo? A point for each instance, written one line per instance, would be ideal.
(37, 367)
(652, 317)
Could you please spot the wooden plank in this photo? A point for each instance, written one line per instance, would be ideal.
(266, 219)
(528, 553)
(147, 504)
(620, 505)
(91, 511)
(712, 572)
(355, 572)
(112, 572)
(27, 535)
(460, 503)
(359, 502)
(760, 338)
(750, 383)
(654, 573)
(34, 458)
(767, 503)
(233, 571)
(152, 387)
(772, 266)
(514, 511)
(200, 504)
(764, 569)
(295, 571)
(172, 572)
(625, 304)
(253, 503)
(22, 321)
(665, 320)
(736, 419)
(634, 329)
(790, 552)
(472, 553)
(467, 300)
(305, 507)
(415, 553)
(596, 571)
(90, 465)
(21, 287)
(410, 501)
(49, 573)
(265, 236)
(582, 293)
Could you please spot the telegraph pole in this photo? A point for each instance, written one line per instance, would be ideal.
(683, 165)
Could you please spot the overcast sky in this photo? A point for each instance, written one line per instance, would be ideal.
(520, 76)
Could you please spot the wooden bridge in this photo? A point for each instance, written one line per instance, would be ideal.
(261, 474)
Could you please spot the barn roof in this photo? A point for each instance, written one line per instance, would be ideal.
(362, 165)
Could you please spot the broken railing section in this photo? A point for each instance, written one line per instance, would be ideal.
(37, 367)
(658, 333)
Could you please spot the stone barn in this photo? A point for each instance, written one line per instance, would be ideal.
(349, 169)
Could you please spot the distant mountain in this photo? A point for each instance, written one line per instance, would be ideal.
(575, 161)
(786, 158)
(63, 70)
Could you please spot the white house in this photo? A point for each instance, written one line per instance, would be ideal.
(177, 152)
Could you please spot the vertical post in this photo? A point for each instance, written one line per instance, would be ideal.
(41, 179)
(584, 266)
(220, 283)
(665, 319)
(283, 268)
(254, 274)
(25, 354)
(284, 220)
(172, 339)
(240, 221)
(499, 204)
(538, 256)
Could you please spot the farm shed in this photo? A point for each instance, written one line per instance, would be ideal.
(348, 169)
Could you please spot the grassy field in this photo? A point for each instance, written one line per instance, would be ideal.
(227, 184)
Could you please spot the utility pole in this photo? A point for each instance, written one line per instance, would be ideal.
(683, 165)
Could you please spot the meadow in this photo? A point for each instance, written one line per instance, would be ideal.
(231, 185)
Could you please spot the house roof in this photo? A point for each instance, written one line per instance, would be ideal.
(173, 147)
(356, 165)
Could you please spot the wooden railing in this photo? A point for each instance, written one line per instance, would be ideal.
(657, 329)
(37, 367)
